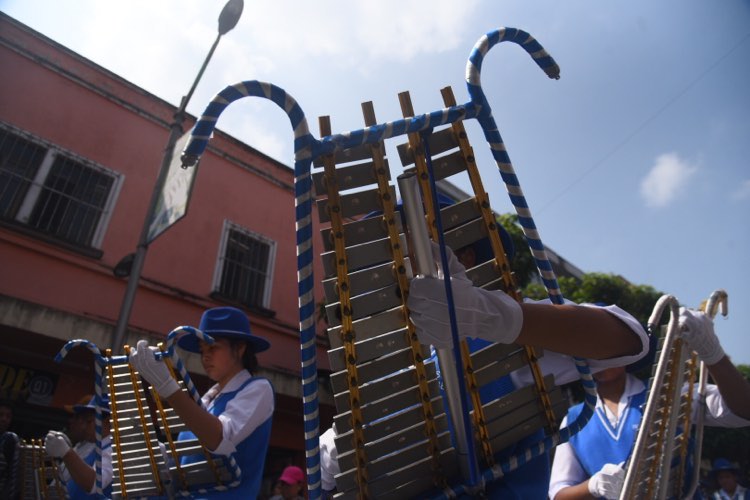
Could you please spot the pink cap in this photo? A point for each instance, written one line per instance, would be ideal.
(292, 475)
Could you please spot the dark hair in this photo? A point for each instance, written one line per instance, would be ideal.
(249, 361)
(5, 403)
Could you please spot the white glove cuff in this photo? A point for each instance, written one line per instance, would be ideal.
(593, 486)
(712, 355)
(167, 388)
(505, 324)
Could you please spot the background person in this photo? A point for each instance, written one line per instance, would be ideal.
(726, 476)
(80, 481)
(291, 483)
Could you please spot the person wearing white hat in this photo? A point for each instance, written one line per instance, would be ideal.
(590, 464)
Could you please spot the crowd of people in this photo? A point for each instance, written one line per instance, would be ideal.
(235, 416)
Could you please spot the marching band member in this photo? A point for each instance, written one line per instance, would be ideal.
(484, 316)
(291, 484)
(79, 461)
(239, 408)
(589, 464)
(562, 331)
(725, 474)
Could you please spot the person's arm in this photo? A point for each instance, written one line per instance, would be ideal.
(247, 411)
(733, 386)
(607, 483)
(83, 474)
(567, 475)
(697, 330)
(493, 315)
(578, 492)
(577, 331)
(206, 427)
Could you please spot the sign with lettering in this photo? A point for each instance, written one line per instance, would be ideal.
(19, 383)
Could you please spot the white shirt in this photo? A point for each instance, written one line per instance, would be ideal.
(329, 465)
(252, 406)
(567, 470)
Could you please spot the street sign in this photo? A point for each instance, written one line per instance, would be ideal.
(175, 194)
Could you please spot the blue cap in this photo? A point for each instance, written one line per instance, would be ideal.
(91, 405)
(721, 464)
(227, 322)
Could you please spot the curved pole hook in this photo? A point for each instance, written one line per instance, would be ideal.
(305, 147)
(499, 153)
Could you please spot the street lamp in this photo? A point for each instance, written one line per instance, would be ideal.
(228, 19)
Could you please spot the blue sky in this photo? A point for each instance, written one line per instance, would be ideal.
(635, 162)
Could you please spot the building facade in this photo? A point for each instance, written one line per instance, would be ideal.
(80, 150)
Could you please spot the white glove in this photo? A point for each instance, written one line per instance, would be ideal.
(607, 483)
(155, 372)
(697, 330)
(56, 444)
(491, 315)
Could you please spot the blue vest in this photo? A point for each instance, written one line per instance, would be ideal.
(599, 443)
(76, 492)
(250, 454)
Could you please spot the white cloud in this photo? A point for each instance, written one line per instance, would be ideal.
(358, 34)
(666, 180)
(742, 192)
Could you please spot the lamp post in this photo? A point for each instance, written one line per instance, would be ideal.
(228, 19)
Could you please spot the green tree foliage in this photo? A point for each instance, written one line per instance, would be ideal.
(638, 300)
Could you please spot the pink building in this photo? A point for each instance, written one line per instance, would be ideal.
(79, 153)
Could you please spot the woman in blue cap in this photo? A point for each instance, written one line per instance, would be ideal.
(80, 478)
(239, 407)
(725, 474)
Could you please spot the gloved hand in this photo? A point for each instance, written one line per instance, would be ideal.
(491, 315)
(155, 372)
(697, 330)
(56, 444)
(607, 483)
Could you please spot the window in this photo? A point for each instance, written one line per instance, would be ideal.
(244, 270)
(53, 192)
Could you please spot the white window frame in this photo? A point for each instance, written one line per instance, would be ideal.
(227, 228)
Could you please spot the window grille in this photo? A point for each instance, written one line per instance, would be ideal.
(245, 267)
(53, 191)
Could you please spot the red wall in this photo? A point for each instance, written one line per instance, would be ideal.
(121, 131)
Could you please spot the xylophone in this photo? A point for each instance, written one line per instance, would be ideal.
(146, 456)
(665, 460)
(393, 437)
